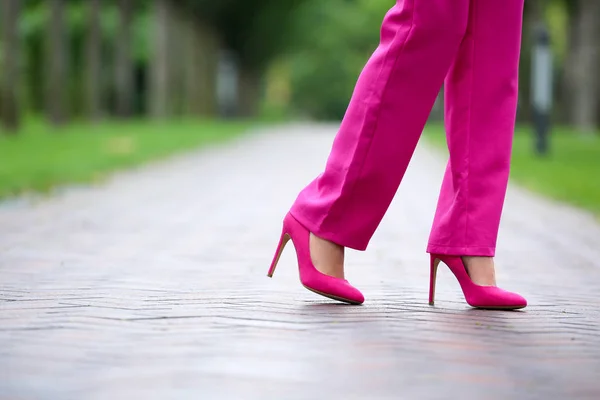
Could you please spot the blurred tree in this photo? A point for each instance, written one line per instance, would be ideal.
(582, 80)
(200, 71)
(94, 60)
(256, 31)
(34, 30)
(534, 16)
(204, 39)
(160, 62)
(124, 59)
(180, 35)
(9, 99)
(56, 87)
(339, 35)
(338, 38)
(102, 55)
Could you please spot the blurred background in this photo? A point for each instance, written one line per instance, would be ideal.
(88, 86)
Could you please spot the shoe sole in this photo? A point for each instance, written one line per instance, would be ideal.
(506, 308)
(330, 296)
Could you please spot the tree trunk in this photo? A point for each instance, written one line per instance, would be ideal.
(57, 64)
(567, 73)
(201, 70)
(598, 112)
(9, 100)
(124, 60)
(178, 34)
(191, 68)
(159, 77)
(94, 61)
(249, 92)
(533, 15)
(585, 64)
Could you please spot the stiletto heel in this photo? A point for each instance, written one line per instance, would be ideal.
(282, 242)
(432, 278)
(311, 278)
(486, 297)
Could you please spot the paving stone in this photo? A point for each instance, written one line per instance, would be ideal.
(153, 286)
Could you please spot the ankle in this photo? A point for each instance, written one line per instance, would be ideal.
(327, 257)
(481, 270)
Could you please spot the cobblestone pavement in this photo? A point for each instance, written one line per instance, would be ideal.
(153, 286)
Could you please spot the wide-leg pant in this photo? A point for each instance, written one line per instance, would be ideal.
(470, 46)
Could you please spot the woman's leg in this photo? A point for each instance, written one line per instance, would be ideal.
(388, 110)
(480, 110)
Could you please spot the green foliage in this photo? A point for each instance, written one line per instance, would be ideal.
(557, 15)
(270, 31)
(256, 30)
(34, 28)
(338, 38)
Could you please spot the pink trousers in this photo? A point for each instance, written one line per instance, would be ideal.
(472, 48)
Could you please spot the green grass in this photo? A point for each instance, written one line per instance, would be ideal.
(569, 173)
(41, 158)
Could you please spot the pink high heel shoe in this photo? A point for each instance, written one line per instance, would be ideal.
(486, 297)
(311, 278)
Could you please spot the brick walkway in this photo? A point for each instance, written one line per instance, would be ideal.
(153, 286)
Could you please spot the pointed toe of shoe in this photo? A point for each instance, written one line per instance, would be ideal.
(349, 295)
(334, 288)
(510, 300)
(354, 295)
(518, 300)
(496, 298)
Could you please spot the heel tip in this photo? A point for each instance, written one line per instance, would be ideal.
(431, 303)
